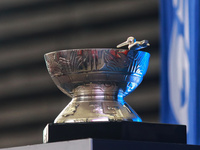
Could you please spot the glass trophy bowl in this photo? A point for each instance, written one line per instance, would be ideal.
(97, 80)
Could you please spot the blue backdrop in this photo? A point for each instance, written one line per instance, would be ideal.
(180, 57)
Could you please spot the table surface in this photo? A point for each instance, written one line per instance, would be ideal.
(98, 144)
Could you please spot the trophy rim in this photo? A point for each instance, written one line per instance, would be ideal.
(98, 49)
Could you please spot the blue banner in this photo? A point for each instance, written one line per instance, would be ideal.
(180, 57)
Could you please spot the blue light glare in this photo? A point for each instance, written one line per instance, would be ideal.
(138, 119)
(140, 62)
(121, 100)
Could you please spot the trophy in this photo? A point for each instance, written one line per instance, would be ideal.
(97, 80)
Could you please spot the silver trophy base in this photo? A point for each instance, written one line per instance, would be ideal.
(95, 103)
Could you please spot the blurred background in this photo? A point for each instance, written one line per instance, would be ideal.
(30, 28)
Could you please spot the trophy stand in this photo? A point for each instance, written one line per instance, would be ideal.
(123, 130)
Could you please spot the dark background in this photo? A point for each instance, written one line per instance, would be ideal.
(30, 28)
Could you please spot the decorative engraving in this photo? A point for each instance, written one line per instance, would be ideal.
(96, 107)
(110, 108)
(116, 61)
(70, 110)
(65, 62)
